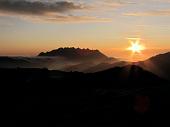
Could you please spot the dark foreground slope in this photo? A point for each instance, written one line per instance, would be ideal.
(127, 96)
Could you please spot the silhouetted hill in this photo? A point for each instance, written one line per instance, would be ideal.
(12, 62)
(121, 96)
(75, 53)
(158, 64)
(105, 66)
(127, 74)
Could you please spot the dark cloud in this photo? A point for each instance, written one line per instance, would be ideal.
(48, 11)
(37, 7)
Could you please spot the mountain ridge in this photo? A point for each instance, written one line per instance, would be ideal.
(74, 53)
(86, 60)
(158, 64)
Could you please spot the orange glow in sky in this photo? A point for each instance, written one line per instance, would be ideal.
(136, 46)
(93, 24)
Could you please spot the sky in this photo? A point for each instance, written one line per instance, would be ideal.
(28, 27)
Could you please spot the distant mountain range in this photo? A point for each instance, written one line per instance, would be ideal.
(66, 59)
(85, 60)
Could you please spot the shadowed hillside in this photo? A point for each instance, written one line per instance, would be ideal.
(122, 96)
(12, 62)
(158, 64)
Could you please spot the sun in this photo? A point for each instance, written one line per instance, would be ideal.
(136, 47)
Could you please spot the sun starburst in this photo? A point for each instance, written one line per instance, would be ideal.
(136, 47)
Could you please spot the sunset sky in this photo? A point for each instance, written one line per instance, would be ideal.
(28, 27)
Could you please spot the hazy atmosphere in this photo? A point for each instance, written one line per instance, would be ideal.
(99, 63)
(31, 26)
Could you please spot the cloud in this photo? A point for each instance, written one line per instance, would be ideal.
(45, 11)
(37, 7)
(60, 10)
(65, 19)
(150, 13)
(111, 4)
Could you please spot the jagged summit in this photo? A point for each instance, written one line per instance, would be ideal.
(75, 53)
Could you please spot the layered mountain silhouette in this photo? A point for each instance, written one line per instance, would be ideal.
(121, 96)
(126, 73)
(65, 59)
(85, 60)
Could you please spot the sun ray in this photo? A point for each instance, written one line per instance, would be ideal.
(136, 47)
